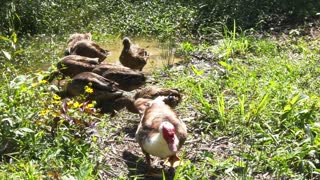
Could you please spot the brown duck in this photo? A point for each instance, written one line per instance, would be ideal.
(103, 89)
(126, 78)
(160, 132)
(133, 56)
(72, 65)
(151, 92)
(109, 99)
(90, 49)
(75, 38)
(112, 107)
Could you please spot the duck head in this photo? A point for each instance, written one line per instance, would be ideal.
(168, 132)
(126, 43)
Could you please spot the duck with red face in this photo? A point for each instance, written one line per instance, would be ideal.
(160, 132)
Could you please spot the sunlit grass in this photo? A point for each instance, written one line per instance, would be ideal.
(267, 102)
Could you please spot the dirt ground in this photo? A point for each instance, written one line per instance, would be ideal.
(124, 157)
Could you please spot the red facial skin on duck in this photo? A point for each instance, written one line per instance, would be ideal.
(168, 134)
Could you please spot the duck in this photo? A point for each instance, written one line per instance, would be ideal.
(71, 65)
(133, 56)
(84, 59)
(90, 49)
(109, 99)
(160, 133)
(126, 78)
(173, 95)
(75, 38)
(116, 105)
(102, 89)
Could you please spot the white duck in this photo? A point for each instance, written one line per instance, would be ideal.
(160, 133)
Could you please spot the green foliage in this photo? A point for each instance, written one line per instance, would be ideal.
(264, 100)
(9, 50)
(43, 137)
(165, 19)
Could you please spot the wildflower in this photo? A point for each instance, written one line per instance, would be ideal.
(88, 89)
(94, 138)
(43, 81)
(77, 104)
(56, 97)
(56, 114)
(90, 105)
(69, 103)
(39, 123)
(44, 112)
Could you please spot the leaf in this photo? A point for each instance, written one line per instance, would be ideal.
(26, 130)
(294, 99)
(14, 37)
(54, 88)
(5, 38)
(195, 70)
(229, 170)
(18, 51)
(224, 64)
(7, 55)
(263, 103)
(287, 108)
(8, 120)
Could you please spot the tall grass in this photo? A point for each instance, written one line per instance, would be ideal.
(265, 102)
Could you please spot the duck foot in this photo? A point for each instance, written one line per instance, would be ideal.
(172, 161)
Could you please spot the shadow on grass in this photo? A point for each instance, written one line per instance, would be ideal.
(138, 168)
(130, 130)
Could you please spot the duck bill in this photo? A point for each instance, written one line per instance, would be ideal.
(173, 147)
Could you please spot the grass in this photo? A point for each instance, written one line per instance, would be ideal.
(263, 104)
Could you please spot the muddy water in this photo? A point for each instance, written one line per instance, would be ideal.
(161, 54)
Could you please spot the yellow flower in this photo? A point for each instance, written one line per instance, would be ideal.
(94, 138)
(87, 89)
(44, 112)
(43, 81)
(56, 97)
(90, 105)
(77, 104)
(56, 114)
(69, 103)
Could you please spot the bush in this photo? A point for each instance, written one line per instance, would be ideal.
(161, 18)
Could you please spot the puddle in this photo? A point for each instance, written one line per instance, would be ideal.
(161, 54)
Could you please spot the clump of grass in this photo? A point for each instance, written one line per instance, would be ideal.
(42, 136)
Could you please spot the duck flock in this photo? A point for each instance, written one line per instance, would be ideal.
(160, 133)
